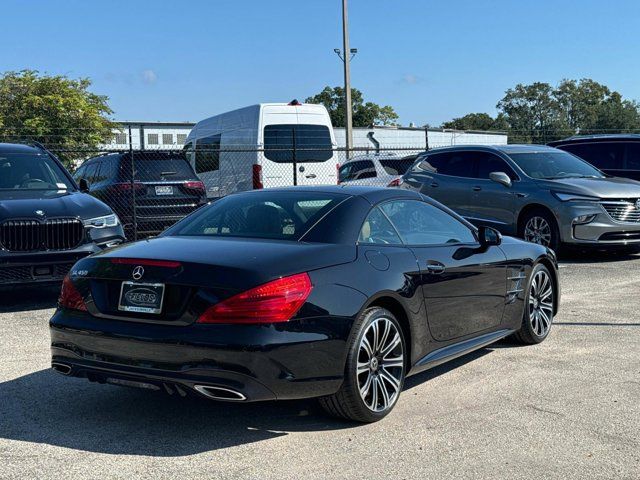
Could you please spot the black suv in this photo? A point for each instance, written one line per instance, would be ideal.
(615, 154)
(164, 188)
(46, 222)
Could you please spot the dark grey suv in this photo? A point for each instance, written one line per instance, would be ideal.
(539, 193)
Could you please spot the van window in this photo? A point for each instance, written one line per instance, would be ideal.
(208, 153)
(312, 143)
(605, 156)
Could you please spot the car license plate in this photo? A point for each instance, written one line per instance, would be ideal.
(164, 190)
(141, 297)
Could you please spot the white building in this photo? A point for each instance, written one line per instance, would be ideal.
(171, 135)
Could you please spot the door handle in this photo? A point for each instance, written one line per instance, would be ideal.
(519, 195)
(311, 175)
(477, 189)
(434, 184)
(434, 267)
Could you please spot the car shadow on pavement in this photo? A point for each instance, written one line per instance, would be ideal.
(20, 299)
(572, 256)
(44, 407)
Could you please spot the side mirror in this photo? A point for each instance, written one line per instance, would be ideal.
(489, 236)
(84, 185)
(501, 178)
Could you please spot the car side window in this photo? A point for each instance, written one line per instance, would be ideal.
(605, 156)
(488, 162)
(90, 172)
(357, 170)
(78, 174)
(377, 229)
(420, 223)
(456, 164)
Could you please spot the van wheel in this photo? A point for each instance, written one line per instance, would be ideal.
(539, 226)
(375, 369)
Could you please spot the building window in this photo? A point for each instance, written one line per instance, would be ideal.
(120, 139)
(182, 137)
(167, 138)
(152, 139)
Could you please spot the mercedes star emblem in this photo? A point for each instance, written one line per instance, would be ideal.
(138, 272)
(39, 213)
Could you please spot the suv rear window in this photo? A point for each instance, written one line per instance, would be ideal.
(161, 169)
(397, 166)
(312, 143)
(268, 215)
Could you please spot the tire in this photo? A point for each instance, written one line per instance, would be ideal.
(384, 376)
(537, 317)
(532, 229)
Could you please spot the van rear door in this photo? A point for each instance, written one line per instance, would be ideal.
(298, 146)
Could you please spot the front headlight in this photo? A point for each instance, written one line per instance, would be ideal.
(102, 222)
(573, 197)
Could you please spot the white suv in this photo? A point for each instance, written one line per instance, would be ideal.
(376, 169)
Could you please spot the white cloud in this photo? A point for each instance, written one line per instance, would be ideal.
(149, 77)
(411, 79)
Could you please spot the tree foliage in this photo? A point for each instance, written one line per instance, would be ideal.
(539, 112)
(364, 114)
(59, 112)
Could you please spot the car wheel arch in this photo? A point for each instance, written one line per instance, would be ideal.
(389, 302)
(529, 208)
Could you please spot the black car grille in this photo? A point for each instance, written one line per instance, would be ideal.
(35, 235)
(28, 273)
(623, 210)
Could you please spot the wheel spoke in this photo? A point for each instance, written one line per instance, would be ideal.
(374, 340)
(383, 338)
(384, 394)
(364, 389)
(393, 362)
(366, 346)
(374, 393)
(393, 381)
(391, 345)
(362, 367)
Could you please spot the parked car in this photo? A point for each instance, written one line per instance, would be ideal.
(539, 193)
(165, 188)
(616, 155)
(263, 146)
(301, 292)
(46, 222)
(375, 169)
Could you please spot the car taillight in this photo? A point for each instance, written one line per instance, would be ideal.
(70, 297)
(195, 186)
(395, 183)
(276, 301)
(257, 177)
(338, 173)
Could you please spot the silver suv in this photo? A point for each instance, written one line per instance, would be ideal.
(539, 193)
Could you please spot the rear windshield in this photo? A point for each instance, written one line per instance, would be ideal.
(312, 143)
(269, 215)
(554, 165)
(163, 169)
(397, 166)
(31, 172)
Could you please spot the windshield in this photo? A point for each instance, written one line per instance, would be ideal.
(554, 165)
(269, 215)
(19, 171)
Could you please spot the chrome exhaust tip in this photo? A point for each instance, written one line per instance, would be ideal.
(61, 368)
(220, 393)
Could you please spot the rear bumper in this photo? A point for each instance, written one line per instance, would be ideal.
(259, 362)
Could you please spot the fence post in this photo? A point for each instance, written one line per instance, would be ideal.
(134, 220)
(426, 138)
(293, 158)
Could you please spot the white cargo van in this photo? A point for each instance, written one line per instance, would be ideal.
(262, 146)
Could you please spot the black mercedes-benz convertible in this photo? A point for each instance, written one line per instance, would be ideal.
(330, 292)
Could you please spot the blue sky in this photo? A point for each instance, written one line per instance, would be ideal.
(430, 60)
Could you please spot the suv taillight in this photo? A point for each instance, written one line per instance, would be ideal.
(257, 177)
(70, 297)
(273, 302)
(196, 186)
(395, 183)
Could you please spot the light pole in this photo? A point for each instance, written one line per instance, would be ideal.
(346, 59)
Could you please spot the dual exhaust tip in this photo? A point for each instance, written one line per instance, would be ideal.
(216, 393)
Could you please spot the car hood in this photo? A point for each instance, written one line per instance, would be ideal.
(613, 187)
(55, 203)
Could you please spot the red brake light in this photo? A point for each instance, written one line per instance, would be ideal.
(395, 183)
(194, 186)
(276, 301)
(257, 177)
(338, 173)
(70, 297)
(145, 262)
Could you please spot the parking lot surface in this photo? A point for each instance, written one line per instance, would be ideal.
(567, 408)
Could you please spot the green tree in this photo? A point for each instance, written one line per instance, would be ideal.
(59, 112)
(364, 114)
(532, 112)
(477, 121)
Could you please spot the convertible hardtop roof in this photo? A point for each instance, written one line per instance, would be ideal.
(369, 193)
